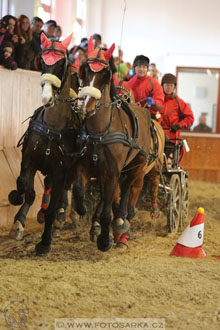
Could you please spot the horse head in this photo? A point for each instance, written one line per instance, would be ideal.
(95, 74)
(54, 66)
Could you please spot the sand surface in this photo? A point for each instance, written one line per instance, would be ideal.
(78, 281)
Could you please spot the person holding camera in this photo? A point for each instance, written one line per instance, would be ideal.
(147, 91)
(6, 58)
(8, 30)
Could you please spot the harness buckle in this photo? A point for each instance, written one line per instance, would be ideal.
(47, 152)
(95, 157)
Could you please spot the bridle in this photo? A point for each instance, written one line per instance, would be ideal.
(57, 98)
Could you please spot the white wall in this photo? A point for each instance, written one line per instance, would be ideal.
(18, 7)
(172, 32)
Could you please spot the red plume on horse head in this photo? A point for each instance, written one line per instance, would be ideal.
(51, 57)
(99, 54)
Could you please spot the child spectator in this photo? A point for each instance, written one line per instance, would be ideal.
(6, 58)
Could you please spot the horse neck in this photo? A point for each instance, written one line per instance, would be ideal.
(58, 116)
(99, 122)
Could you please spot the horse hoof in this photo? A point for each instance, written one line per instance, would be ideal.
(61, 215)
(42, 250)
(95, 231)
(121, 245)
(15, 198)
(17, 231)
(41, 216)
(120, 226)
(155, 211)
(102, 246)
(56, 233)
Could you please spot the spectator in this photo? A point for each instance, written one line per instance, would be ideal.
(81, 54)
(147, 91)
(202, 127)
(49, 29)
(3, 29)
(176, 113)
(36, 27)
(24, 51)
(6, 58)
(84, 43)
(58, 32)
(97, 39)
(122, 71)
(72, 54)
(12, 29)
(153, 72)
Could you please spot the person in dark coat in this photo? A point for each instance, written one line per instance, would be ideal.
(202, 127)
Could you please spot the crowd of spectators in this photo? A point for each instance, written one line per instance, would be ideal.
(20, 44)
(20, 40)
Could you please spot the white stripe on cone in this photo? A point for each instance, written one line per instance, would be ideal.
(192, 236)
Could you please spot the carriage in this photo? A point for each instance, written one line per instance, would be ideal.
(173, 197)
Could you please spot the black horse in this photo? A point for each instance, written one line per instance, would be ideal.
(49, 144)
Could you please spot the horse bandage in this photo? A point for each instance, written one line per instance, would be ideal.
(51, 78)
(90, 91)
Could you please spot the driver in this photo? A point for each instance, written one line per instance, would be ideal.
(176, 113)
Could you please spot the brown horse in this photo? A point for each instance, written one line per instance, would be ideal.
(50, 143)
(116, 136)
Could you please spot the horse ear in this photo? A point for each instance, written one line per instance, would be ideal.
(108, 53)
(90, 45)
(67, 41)
(45, 41)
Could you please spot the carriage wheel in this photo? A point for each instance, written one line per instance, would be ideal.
(185, 203)
(174, 204)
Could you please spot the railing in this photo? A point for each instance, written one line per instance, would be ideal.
(20, 95)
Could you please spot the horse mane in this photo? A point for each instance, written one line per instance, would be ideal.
(112, 86)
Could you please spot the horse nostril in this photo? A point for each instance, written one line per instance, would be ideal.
(50, 100)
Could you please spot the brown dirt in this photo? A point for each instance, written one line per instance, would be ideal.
(78, 281)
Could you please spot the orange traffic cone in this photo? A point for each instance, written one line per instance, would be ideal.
(190, 242)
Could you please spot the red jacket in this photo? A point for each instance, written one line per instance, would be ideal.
(147, 87)
(176, 111)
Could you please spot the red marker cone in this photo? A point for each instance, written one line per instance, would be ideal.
(190, 242)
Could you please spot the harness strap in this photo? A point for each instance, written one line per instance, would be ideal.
(179, 110)
(116, 137)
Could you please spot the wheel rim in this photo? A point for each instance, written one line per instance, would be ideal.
(185, 202)
(174, 212)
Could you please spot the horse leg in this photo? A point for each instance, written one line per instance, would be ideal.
(44, 246)
(104, 240)
(79, 194)
(45, 199)
(131, 186)
(133, 197)
(17, 230)
(16, 197)
(154, 177)
(95, 230)
(61, 213)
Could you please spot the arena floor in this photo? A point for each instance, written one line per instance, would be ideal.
(78, 281)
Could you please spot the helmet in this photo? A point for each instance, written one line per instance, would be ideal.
(141, 60)
(168, 78)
